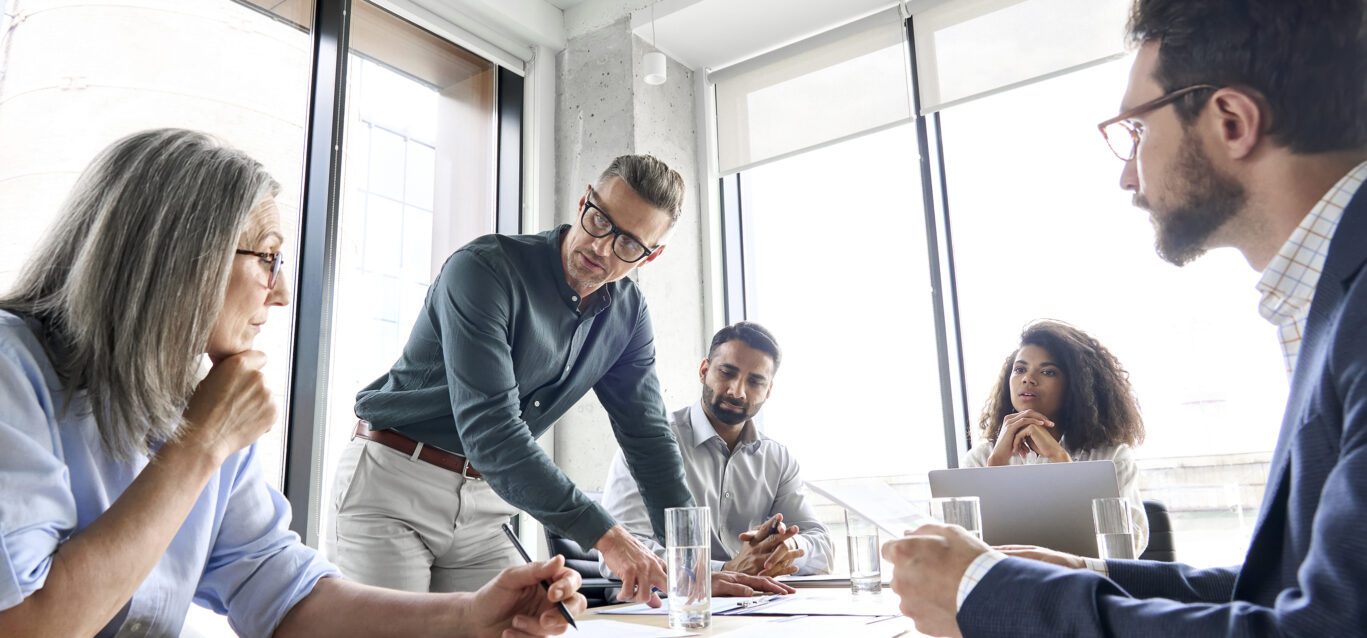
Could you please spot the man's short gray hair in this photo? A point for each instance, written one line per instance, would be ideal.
(130, 279)
(657, 183)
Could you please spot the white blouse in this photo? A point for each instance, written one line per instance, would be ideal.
(1126, 475)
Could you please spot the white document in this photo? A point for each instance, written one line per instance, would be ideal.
(828, 626)
(619, 629)
(824, 603)
(719, 605)
(875, 501)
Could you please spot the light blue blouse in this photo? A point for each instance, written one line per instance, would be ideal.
(234, 554)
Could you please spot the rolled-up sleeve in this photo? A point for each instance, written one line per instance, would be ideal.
(630, 392)
(258, 569)
(37, 509)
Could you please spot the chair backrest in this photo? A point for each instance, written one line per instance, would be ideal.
(1160, 533)
(598, 590)
(577, 558)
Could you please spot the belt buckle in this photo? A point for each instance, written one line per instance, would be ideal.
(465, 472)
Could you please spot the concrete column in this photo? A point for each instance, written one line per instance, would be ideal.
(603, 110)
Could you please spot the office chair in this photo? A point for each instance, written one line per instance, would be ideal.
(1160, 533)
(598, 590)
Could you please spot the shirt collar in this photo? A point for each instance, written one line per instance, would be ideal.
(704, 432)
(1288, 283)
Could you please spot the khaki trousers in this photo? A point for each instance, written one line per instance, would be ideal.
(406, 524)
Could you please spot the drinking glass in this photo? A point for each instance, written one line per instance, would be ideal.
(688, 533)
(1114, 536)
(963, 511)
(866, 574)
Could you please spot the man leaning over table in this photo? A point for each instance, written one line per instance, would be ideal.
(514, 331)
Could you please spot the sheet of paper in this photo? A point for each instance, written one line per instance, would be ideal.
(826, 626)
(875, 501)
(719, 605)
(619, 629)
(821, 603)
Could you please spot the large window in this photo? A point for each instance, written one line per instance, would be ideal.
(75, 77)
(1042, 229)
(419, 182)
(836, 261)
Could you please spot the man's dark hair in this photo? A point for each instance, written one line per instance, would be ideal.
(1307, 59)
(751, 334)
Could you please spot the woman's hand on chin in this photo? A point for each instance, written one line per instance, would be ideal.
(231, 408)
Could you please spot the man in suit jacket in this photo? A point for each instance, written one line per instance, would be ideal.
(1244, 125)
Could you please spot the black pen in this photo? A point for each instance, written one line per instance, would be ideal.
(564, 611)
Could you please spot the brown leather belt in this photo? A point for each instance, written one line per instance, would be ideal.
(436, 456)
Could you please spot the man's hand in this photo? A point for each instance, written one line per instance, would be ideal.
(639, 568)
(765, 553)
(736, 584)
(927, 566)
(1043, 555)
(514, 604)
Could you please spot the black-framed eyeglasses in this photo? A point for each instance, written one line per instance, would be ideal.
(598, 225)
(275, 259)
(1123, 134)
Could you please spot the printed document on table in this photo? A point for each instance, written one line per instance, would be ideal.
(827, 626)
(719, 605)
(618, 629)
(875, 501)
(824, 603)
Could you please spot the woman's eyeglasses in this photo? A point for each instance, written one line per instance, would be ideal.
(275, 259)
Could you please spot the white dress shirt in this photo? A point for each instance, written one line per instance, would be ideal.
(742, 489)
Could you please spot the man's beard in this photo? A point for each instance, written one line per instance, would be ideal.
(1209, 200)
(724, 414)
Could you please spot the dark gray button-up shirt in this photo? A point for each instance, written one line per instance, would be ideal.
(501, 350)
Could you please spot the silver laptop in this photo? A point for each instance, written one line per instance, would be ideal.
(1049, 505)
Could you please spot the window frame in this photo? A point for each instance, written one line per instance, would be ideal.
(739, 286)
(314, 284)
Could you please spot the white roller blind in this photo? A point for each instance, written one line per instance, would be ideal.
(833, 86)
(970, 48)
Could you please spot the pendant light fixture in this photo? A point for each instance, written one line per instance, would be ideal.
(654, 61)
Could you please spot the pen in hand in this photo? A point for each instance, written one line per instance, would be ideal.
(544, 585)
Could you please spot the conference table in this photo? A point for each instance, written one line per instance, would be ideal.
(815, 595)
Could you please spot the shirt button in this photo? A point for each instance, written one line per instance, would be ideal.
(536, 404)
(574, 297)
(727, 495)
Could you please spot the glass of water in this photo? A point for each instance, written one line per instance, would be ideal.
(963, 511)
(866, 574)
(688, 533)
(1114, 536)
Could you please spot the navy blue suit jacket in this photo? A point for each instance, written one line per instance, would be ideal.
(1306, 569)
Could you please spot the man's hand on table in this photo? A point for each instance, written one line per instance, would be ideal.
(641, 571)
(768, 550)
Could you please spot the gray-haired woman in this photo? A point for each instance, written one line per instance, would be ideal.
(128, 486)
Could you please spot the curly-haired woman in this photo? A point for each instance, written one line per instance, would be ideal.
(1061, 397)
